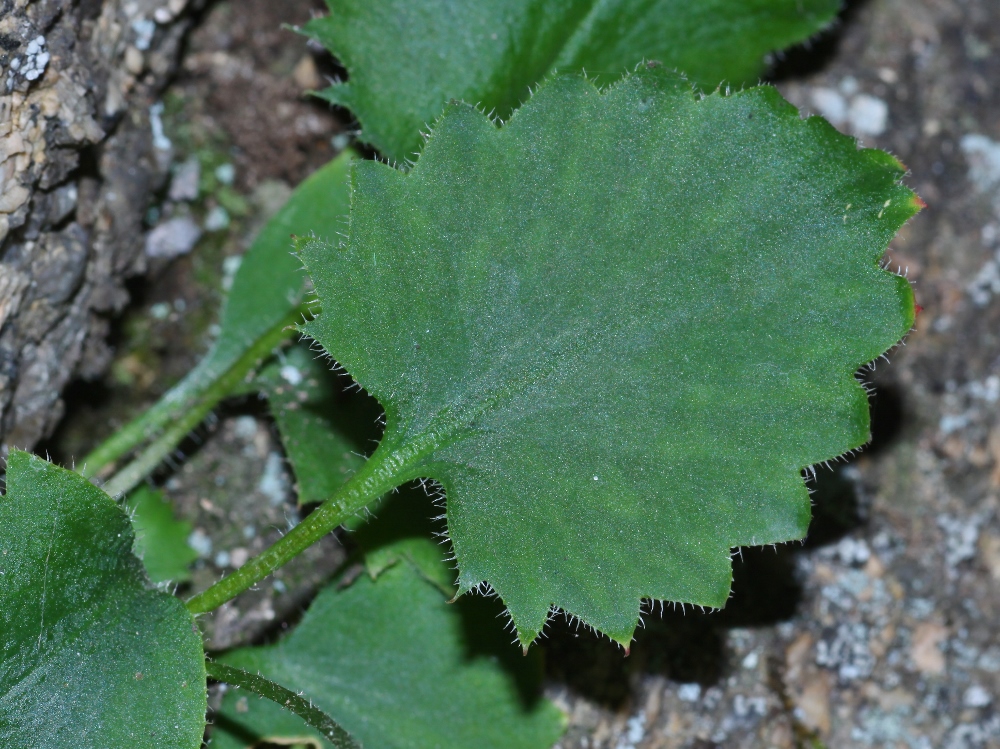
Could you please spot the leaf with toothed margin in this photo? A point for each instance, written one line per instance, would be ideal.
(615, 330)
(92, 657)
(397, 667)
(405, 60)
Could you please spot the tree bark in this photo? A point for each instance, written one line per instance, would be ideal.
(80, 157)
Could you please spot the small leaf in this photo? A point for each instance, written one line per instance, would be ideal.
(319, 427)
(91, 656)
(160, 540)
(616, 330)
(396, 667)
(405, 60)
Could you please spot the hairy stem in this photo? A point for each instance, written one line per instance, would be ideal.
(312, 715)
(383, 472)
(182, 413)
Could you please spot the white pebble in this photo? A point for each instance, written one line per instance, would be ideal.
(976, 696)
(868, 115)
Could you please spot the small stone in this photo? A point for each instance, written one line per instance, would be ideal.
(173, 238)
(274, 483)
(144, 30)
(306, 75)
(888, 75)
(200, 542)
(291, 375)
(814, 702)
(689, 692)
(184, 184)
(225, 173)
(830, 104)
(245, 427)
(134, 62)
(868, 115)
(238, 556)
(976, 696)
(222, 559)
(925, 650)
(160, 311)
(983, 155)
(217, 219)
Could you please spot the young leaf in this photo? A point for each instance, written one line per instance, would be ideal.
(615, 330)
(396, 667)
(160, 539)
(406, 60)
(91, 656)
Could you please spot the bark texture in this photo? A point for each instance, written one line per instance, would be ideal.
(80, 156)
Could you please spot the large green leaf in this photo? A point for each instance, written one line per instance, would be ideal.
(615, 330)
(407, 59)
(396, 667)
(92, 657)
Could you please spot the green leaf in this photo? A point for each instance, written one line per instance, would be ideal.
(396, 667)
(405, 60)
(160, 539)
(91, 656)
(616, 330)
(319, 427)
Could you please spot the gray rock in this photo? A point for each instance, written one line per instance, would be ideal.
(172, 238)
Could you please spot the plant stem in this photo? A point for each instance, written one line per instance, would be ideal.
(312, 715)
(186, 413)
(383, 472)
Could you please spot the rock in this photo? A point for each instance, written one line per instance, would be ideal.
(925, 648)
(184, 184)
(868, 115)
(172, 238)
(983, 155)
(67, 235)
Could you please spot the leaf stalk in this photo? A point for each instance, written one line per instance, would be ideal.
(382, 473)
(312, 715)
(186, 405)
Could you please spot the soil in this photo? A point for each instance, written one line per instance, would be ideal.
(880, 630)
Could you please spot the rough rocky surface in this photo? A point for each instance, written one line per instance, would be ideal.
(78, 162)
(880, 630)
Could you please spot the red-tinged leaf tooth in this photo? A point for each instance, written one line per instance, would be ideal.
(524, 650)
(917, 309)
(628, 651)
(919, 201)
